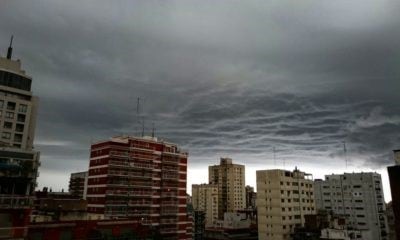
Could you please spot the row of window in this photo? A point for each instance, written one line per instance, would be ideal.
(10, 115)
(22, 108)
(18, 127)
(7, 135)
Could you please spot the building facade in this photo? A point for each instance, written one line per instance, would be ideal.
(205, 198)
(359, 197)
(394, 179)
(78, 184)
(18, 161)
(283, 200)
(142, 179)
(251, 196)
(230, 179)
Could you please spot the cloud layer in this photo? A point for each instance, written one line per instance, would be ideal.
(219, 78)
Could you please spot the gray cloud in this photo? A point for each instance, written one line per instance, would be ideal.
(218, 78)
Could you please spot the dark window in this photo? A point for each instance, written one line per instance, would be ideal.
(15, 81)
(11, 105)
(19, 127)
(21, 118)
(8, 125)
(18, 138)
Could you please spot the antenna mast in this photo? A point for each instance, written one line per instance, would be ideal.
(9, 50)
(273, 149)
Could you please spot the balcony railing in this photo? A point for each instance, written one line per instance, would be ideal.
(169, 203)
(129, 174)
(130, 164)
(139, 203)
(169, 221)
(172, 176)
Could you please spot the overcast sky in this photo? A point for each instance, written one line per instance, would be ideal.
(219, 78)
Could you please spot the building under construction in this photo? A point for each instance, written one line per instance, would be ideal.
(140, 178)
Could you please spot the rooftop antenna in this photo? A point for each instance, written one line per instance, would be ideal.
(345, 152)
(9, 50)
(152, 131)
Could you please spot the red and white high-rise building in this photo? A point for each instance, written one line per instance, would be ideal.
(140, 178)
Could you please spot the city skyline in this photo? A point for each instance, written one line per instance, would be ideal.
(219, 81)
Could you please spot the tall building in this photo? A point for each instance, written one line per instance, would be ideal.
(250, 198)
(18, 161)
(140, 178)
(359, 197)
(230, 179)
(205, 198)
(394, 179)
(283, 200)
(78, 184)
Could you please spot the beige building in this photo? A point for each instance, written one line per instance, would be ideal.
(205, 198)
(17, 106)
(230, 179)
(283, 198)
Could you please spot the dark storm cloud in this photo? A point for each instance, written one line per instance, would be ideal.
(219, 78)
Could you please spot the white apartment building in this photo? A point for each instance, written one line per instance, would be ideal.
(357, 196)
(230, 179)
(283, 198)
(205, 198)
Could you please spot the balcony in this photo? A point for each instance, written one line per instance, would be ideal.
(140, 203)
(129, 174)
(169, 194)
(170, 160)
(170, 168)
(168, 230)
(169, 203)
(118, 154)
(10, 201)
(170, 176)
(169, 221)
(169, 210)
(130, 164)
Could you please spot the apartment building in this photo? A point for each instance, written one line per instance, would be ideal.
(18, 161)
(251, 197)
(283, 199)
(140, 178)
(205, 198)
(78, 184)
(230, 179)
(358, 197)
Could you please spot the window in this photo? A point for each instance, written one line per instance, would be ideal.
(6, 135)
(22, 108)
(21, 118)
(18, 138)
(1, 104)
(19, 127)
(9, 115)
(8, 125)
(11, 105)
